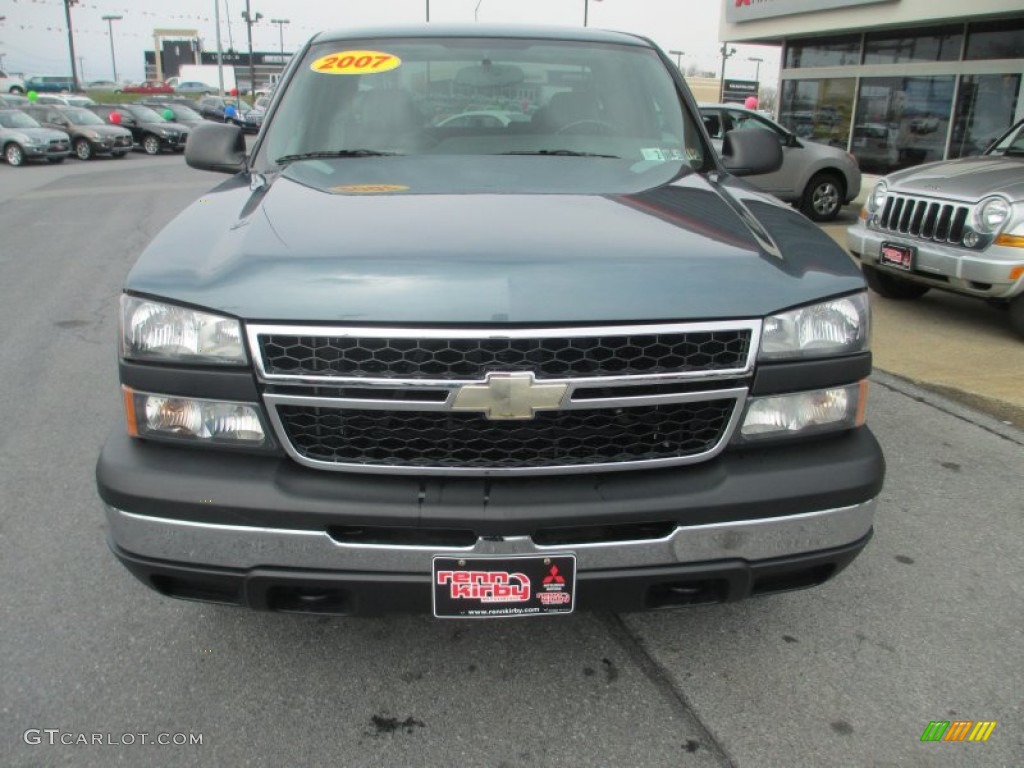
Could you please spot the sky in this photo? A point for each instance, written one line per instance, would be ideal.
(33, 33)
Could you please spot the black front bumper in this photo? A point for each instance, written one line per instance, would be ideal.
(343, 593)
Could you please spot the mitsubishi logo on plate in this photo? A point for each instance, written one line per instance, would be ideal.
(510, 396)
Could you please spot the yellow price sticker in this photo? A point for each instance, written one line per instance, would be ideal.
(356, 63)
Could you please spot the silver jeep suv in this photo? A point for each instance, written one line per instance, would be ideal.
(956, 225)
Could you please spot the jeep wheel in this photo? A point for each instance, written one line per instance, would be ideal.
(151, 144)
(823, 197)
(14, 155)
(83, 149)
(1017, 315)
(17, 89)
(892, 287)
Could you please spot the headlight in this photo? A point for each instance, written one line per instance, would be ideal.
(990, 215)
(877, 198)
(836, 327)
(186, 418)
(165, 132)
(91, 135)
(151, 330)
(823, 410)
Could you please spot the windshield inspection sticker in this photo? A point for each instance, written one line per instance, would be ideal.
(356, 63)
(368, 189)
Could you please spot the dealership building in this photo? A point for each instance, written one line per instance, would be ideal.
(896, 82)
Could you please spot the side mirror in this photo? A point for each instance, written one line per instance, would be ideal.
(216, 147)
(751, 151)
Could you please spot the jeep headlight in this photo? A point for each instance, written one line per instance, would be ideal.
(990, 214)
(831, 328)
(152, 330)
(877, 198)
(803, 413)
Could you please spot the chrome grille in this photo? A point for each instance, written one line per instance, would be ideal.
(472, 358)
(936, 220)
(461, 440)
(388, 400)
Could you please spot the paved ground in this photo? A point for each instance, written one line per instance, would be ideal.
(924, 626)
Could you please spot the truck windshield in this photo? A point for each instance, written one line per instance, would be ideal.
(482, 96)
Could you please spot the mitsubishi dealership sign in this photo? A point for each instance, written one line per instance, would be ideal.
(737, 11)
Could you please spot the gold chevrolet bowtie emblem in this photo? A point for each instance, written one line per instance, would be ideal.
(509, 396)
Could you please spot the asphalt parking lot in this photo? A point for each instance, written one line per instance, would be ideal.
(924, 626)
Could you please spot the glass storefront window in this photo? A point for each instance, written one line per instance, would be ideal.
(823, 52)
(1003, 39)
(937, 44)
(818, 109)
(984, 110)
(901, 121)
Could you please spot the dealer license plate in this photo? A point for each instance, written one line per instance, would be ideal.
(503, 587)
(898, 256)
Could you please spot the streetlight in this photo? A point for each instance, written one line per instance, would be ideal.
(110, 31)
(71, 43)
(679, 59)
(726, 53)
(476, 11)
(249, 21)
(280, 30)
(757, 73)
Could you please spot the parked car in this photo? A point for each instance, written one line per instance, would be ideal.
(955, 226)
(231, 110)
(150, 131)
(11, 84)
(149, 86)
(50, 84)
(181, 113)
(877, 147)
(819, 179)
(102, 85)
(194, 87)
(67, 100)
(90, 136)
(13, 101)
(22, 138)
(384, 367)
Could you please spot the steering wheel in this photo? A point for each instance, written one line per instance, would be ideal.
(609, 128)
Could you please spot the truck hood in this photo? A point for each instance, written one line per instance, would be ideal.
(390, 240)
(968, 179)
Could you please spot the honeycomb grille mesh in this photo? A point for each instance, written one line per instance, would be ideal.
(469, 440)
(453, 358)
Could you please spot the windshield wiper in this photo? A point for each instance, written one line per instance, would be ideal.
(284, 159)
(559, 152)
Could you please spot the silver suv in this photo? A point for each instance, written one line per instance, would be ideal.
(957, 226)
(819, 179)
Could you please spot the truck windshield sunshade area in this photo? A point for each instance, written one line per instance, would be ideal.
(466, 96)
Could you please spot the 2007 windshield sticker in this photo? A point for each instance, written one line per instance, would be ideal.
(356, 63)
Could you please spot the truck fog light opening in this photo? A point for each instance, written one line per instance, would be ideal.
(823, 410)
(192, 419)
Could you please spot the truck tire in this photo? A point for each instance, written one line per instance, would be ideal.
(892, 287)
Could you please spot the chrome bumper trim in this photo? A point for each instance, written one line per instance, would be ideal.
(244, 547)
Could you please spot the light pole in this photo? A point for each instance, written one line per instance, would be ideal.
(757, 72)
(476, 11)
(110, 31)
(280, 31)
(249, 21)
(71, 43)
(428, 10)
(726, 53)
(679, 59)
